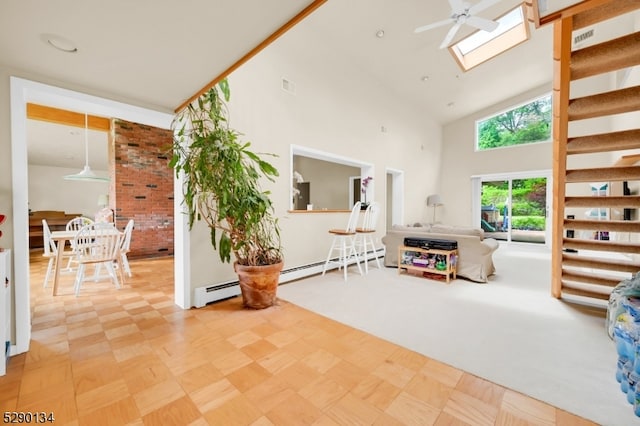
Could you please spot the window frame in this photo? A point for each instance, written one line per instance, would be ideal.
(494, 46)
(477, 148)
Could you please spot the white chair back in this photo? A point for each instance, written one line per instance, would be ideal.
(78, 222)
(97, 242)
(126, 237)
(50, 248)
(353, 218)
(370, 219)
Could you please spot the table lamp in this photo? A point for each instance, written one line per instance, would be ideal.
(434, 201)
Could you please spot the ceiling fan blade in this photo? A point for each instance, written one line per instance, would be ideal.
(481, 23)
(457, 5)
(482, 5)
(433, 25)
(452, 32)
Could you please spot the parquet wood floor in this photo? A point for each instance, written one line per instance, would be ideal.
(130, 356)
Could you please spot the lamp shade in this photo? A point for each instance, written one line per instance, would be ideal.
(434, 200)
(103, 200)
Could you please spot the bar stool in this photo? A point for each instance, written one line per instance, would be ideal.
(364, 234)
(344, 244)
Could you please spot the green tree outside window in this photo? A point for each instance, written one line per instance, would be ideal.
(526, 124)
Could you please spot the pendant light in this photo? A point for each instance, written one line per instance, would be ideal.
(86, 174)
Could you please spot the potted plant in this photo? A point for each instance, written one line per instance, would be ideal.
(222, 179)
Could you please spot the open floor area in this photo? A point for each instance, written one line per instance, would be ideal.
(130, 356)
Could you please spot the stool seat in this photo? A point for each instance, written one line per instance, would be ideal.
(341, 232)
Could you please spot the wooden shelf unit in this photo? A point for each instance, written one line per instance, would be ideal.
(450, 256)
(57, 221)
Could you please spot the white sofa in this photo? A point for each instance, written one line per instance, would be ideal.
(475, 253)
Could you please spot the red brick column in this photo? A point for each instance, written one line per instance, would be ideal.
(143, 186)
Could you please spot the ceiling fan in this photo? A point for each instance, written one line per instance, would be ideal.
(463, 13)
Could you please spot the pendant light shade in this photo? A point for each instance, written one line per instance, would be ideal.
(86, 174)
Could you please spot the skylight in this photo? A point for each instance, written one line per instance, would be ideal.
(482, 45)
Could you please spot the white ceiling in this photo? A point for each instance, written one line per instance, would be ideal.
(149, 52)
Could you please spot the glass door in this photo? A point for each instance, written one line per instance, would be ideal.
(494, 209)
(528, 210)
(514, 209)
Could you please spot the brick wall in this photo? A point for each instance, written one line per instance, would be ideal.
(142, 187)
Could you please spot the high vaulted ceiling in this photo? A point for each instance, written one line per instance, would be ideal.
(149, 52)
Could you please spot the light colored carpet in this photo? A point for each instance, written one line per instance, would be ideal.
(509, 331)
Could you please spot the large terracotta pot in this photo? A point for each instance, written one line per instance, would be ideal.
(258, 284)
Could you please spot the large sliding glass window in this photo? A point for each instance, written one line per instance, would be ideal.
(514, 209)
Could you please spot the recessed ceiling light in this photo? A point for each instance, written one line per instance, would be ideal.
(424, 78)
(380, 33)
(60, 43)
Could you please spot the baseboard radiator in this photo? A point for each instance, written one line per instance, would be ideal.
(215, 292)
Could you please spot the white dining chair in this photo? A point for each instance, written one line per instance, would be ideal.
(75, 224)
(344, 244)
(50, 251)
(125, 248)
(97, 244)
(365, 234)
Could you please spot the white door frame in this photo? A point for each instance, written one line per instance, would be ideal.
(26, 91)
(476, 187)
(397, 197)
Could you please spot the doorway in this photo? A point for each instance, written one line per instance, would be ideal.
(394, 197)
(25, 91)
(513, 207)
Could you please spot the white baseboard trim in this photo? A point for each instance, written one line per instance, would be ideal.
(215, 292)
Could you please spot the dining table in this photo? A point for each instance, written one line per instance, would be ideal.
(60, 238)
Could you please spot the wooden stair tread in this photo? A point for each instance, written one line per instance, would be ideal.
(603, 174)
(603, 104)
(604, 11)
(602, 225)
(604, 142)
(591, 278)
(619, 53)
(567, 289)
(581, 261)
(599, 245)
(630, 201)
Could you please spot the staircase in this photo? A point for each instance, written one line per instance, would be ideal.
(590, 255)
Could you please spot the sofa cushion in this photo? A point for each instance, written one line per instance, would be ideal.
(457, 230)
(417, 227)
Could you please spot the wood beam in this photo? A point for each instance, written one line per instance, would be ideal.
(561, 85)
(67, 118)
(273, 37)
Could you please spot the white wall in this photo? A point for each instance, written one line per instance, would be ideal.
(460, 160)
(335, 109)
(49, 191)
